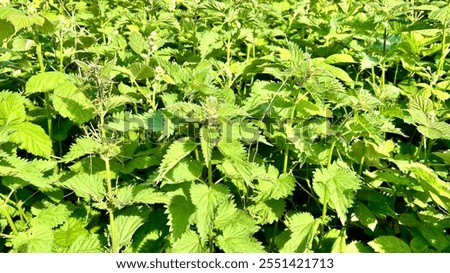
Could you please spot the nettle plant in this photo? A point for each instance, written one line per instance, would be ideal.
(224, 126)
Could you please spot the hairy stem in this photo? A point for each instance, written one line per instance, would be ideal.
(112, 225)
(48, 109)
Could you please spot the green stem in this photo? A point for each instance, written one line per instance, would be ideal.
(357, 77)
(112, 225)
(274, 234)
(373, 76)
(384, 40)
(325, 204)
(8, 217)
(361, 164)
(40, 56)
(108, 176)
(48, 109)
(324, 213)
(229, 49)
(396, 73)
(428, 150)
(197, 155)
(210, 180)
(230, 81)
(49, 116)
(418, 149)
(20, 210)
(443, 50)
(330, 156)
(286, 157)
(61, 53)
(290, 122)
(325, 198)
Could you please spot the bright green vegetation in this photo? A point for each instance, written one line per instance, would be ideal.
(224, 126)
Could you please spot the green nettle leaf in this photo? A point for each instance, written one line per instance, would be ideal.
(140, 194)
(45, 82)
(141, 71)
(431, 183)
(442, 15)
(7, 30)
(89, 186)
(239, 170)
(368, 62)
(180, 212)
(175, 153)
(46, 27)
(186, 170)
(435, 130)
(12, 109)
(237, 230)
(339, 58)
(126, 224)
(420, 245)
(421, 103)
(37, 239)
(69, 232)
(389, 244)
(206, 200)
(340, 245)
(233, 150)
(141, 163)
(302, 228)
(137, 42)
(25, 172)
(23, 44)
(82, 147)
(182, 108)
(281, 188)
(115, 101)
(189, 242)
(207, 42)
(436, 237)
(336, 186)
(234, 239)
(152, 236)
(86, 244)
(228, 215)
(21, 21)
(32, 137)
(365, 216)
(267, 212)
(333, 70)
(168, 19)
(357, 247)
(52, 216)
(68, 101)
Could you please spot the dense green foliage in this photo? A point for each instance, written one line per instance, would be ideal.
(224, 126)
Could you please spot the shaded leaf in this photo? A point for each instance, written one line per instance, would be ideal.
(389, 244)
